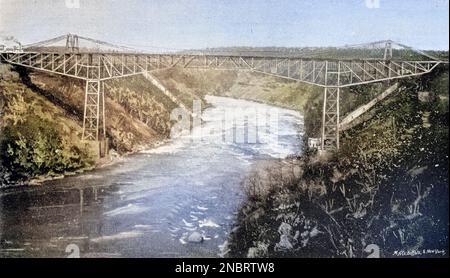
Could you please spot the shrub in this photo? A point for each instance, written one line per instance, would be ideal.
(35, 147)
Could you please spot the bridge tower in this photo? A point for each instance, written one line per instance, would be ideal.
(94, 128)
(94, 124)
(93, 120)
(388, 51)
(72, 44)
(330, 113)
(330, 119)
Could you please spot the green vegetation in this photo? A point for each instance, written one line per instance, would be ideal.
(387, 186)
(36, 137)
(143, 101)
(35, 147)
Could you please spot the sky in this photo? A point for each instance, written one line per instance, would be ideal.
(193, 24)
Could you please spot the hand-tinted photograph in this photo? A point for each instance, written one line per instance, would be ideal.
(224, 129)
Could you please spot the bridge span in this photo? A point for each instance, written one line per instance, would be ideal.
(95, 67)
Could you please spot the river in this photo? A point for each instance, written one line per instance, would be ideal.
(157, 203)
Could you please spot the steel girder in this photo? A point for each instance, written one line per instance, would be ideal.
(320, 72)
(330, 74)
(94, 110)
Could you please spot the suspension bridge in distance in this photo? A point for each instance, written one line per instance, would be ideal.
(361, 64)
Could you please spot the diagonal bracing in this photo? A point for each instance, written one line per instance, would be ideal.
(331, 74)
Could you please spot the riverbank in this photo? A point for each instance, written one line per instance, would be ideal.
(110, 160)
(385, 195)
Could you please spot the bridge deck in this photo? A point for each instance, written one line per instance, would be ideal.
(320, 72)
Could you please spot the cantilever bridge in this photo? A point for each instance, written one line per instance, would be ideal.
(96, 67)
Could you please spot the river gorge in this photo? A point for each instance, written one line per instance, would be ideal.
(177, 200)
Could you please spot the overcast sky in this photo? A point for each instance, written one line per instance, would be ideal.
(187, 24)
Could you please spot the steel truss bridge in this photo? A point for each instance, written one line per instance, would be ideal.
(96, 67)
